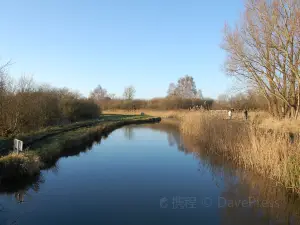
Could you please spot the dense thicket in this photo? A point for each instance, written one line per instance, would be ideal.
(25, 106)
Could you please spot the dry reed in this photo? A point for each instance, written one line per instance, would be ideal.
(271, 154)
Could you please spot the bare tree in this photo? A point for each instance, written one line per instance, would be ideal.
(99, 93)
(7, 106)
(264, 50)
(199, 94)
(172, 90)
(129, 93)
(185, 88)
(112, 96)
(26, 84)
(25, 106)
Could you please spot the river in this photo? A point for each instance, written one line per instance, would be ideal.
(146, 174)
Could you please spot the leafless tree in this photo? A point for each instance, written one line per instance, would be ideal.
(172, 90)
(129, 93)
(185, 88)
(99, 93)
(112, 96)
(200, 94)
(26, 106)
(264, 50)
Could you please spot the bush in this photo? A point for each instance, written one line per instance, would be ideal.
(25, 106)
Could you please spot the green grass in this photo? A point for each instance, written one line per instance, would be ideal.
(44, 152)
(34, 136)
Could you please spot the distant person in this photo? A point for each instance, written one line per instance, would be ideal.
(229, 114)
(246, 114)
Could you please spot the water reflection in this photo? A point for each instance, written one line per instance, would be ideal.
(173, 136)
(128, 132)
(246, 194)
(245, 197)
(20, 189)
(55, 168)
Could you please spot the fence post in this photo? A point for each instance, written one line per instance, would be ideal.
(18, 145)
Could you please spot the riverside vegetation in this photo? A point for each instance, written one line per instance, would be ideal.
(263, 53)
(264, 145)
(51, 122)
(46, 147)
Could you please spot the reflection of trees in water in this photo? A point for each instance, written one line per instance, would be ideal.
(237, 186)
(55, 168)
(264, 198)
(173, 134)
(174, 137)
(257, 200)
(171, 140)
(20, 189)
(128, 132)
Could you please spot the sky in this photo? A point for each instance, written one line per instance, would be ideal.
(116, 43)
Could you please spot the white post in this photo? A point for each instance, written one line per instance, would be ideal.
(18, 145)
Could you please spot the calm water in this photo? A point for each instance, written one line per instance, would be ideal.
(146, 175)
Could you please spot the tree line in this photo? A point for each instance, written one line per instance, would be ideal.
(181, 95)
(26, 106)
(263, 52)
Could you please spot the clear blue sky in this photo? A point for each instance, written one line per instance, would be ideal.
(116, 43)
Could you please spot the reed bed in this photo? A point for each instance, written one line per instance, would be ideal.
(269, 153)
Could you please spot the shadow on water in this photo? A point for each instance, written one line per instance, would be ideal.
(20, 188)
(241, 191)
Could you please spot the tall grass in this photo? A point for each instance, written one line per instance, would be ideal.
(271, 154)
(14, 166)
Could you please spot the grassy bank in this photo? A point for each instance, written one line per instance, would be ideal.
(45, 152)
(32, 137)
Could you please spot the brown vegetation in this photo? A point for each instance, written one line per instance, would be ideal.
(183, 95)
(154, 104)
(25, 106)
(262, 144)
(264, 51)
(270, 153)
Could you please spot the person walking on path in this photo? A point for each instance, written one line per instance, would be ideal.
(229, 114)
(246, 114)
